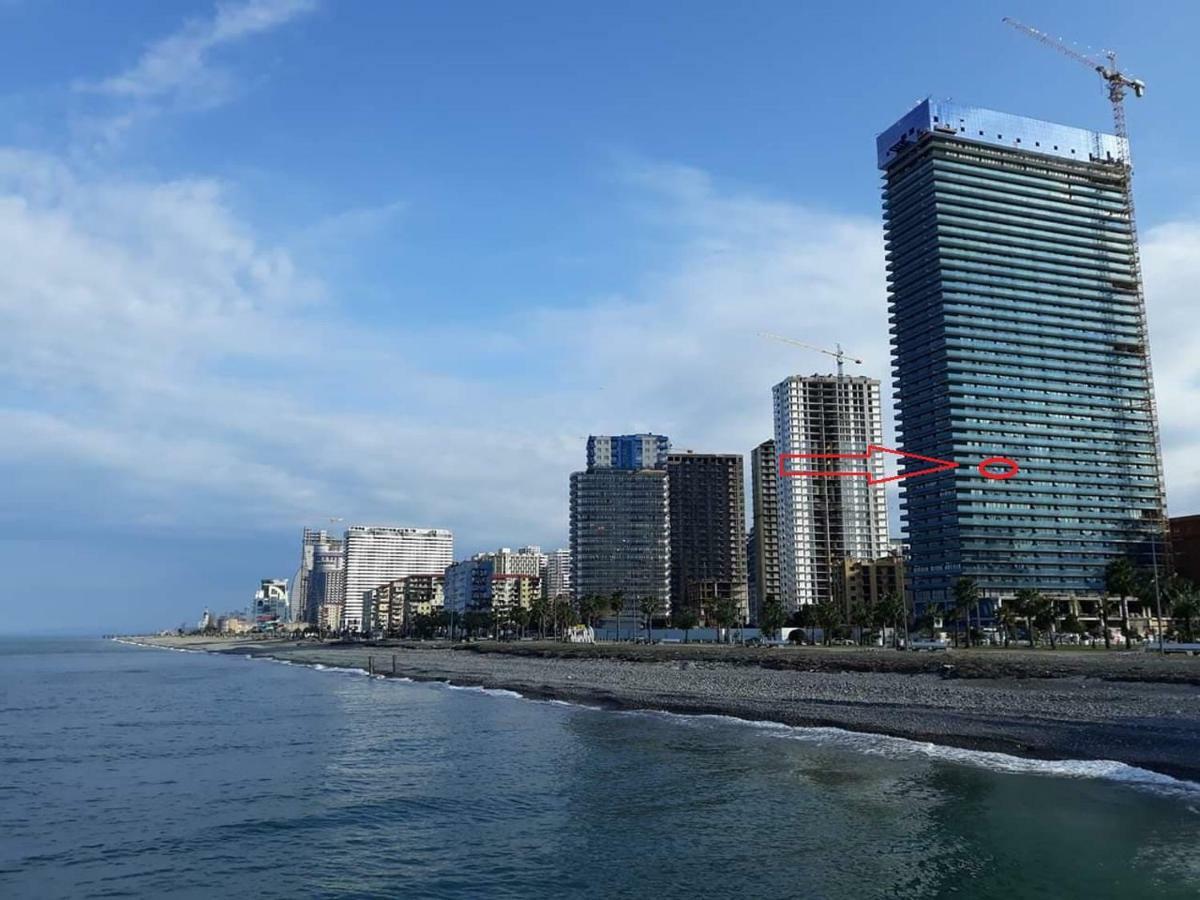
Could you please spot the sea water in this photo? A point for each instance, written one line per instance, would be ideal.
(136, 772)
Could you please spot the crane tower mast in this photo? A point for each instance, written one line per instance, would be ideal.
(1118, 84)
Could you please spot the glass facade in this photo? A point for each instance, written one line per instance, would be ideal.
(620, 535)
(1018, 330)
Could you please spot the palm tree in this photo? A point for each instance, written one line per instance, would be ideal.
(564, 615)
(772, 616)
(1185, 606)
(1045, 613)
(966, 598)
(1120, 578)
(685, 619)
(617, 604)
(648, 607)
(538, 609)
(519, 616)
(724, 612)
(1025, 606)
(858, 616)
(1009, 615)
(828, 615)
(1072, 625)
(588, 605)
(887, 611)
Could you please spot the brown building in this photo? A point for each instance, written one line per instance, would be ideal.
(863, 582)
(707, 502)
(1185, 547)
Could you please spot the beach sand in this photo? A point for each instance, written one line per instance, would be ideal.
(1132, 707)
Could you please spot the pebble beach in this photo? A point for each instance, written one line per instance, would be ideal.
(1134, 707)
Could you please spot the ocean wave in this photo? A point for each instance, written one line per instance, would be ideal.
(155, 646)
(886, 746)
(480, 689)
(891, 747)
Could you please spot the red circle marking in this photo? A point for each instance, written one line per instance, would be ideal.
(1010, 465)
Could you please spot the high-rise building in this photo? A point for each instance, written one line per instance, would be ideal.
(764, 502)
(620, 525)
(825, 520)
(299, 594)
(627, 451)
(1019, 331)
(378, 554)
(707, 502)
(327, 580)
(270, 604)
(556, 582)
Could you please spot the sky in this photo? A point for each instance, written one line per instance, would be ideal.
(267, 263)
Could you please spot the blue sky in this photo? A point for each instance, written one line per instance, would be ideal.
(263, 263)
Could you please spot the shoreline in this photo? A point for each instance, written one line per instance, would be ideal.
(1152, 725)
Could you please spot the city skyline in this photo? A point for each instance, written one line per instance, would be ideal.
(227, 418)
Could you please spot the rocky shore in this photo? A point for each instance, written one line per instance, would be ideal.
(1132, 707)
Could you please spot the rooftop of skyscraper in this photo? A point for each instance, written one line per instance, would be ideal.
(1000, 129)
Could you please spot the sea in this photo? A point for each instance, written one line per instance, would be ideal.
(128, 771)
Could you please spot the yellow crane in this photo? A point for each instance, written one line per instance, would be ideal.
(839, 354)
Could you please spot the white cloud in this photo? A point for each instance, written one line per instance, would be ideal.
(180, 61)
(1171, 260)
(178, 72)
(162, 366)
(147, 334)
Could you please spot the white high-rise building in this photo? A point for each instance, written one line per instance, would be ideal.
(378, 554)
(557, 580)
(823, 520)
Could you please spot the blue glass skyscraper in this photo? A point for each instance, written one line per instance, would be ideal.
(1018, 330)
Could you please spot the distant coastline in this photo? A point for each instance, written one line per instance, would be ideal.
(1067, 706)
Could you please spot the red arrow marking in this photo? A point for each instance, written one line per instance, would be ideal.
(939, 465)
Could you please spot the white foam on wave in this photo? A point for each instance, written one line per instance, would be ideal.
(556, 702)
(891, 747)
(155, 646)
(480, 689)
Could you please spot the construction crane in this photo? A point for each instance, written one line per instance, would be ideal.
(1118, 81)
(1118, 84)
(840, 355)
